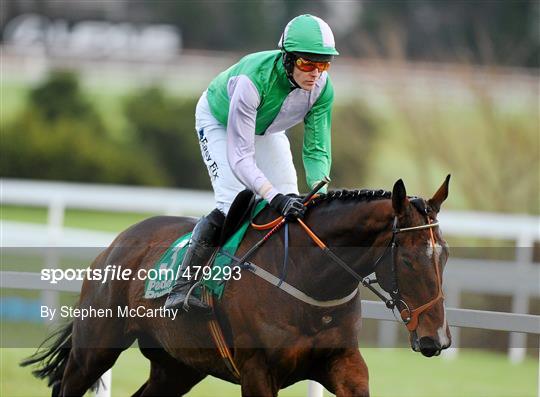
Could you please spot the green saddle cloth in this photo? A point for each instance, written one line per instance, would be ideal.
(161, 279)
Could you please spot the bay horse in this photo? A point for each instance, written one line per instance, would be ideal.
(276, 340)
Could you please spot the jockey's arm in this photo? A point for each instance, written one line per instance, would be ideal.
(241, 137)
(317, 149)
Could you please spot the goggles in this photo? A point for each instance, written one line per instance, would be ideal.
(309, 66)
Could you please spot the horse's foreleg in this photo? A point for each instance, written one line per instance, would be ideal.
(346, 374)
(170, 380)
(256, 378)
(168, 377)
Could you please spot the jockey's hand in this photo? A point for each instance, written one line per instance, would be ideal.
(290, 207)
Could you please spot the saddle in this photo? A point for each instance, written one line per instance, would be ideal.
(240, 212)
(235, 226)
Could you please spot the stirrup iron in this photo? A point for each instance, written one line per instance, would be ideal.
(185, 305)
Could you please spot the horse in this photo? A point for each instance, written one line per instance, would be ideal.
(275, 339)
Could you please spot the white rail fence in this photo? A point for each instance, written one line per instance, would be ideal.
(522, 323)
(519, 278)
(466, 318)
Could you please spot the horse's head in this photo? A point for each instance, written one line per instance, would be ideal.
(411, 269)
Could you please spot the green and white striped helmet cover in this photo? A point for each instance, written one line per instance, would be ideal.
(307, 33)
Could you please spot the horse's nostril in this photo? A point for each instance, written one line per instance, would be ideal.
(429, 347)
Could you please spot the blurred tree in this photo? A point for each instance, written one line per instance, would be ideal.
(59, 135)
(354, 131)
(477, 31)
(491, 151)
(59, 96)
(165, 127)
(231, 25)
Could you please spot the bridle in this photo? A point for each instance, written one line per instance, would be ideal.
(408, 316)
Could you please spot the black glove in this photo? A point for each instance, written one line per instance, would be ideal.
(290, 207)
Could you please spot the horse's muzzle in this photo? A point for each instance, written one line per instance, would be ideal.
(426, 345)
(429, 347)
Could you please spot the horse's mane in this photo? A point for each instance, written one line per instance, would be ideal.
(359, 195)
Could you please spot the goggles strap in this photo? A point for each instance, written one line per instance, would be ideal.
(288, 63)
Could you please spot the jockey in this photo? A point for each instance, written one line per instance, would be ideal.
(241, 121)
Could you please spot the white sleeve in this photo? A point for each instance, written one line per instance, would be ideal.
(244, 101)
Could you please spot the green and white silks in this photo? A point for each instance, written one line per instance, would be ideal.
(255, 96)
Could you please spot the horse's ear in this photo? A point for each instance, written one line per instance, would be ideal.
(441, 195)
(399, 197)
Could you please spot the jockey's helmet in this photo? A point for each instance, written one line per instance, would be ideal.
(308, 37)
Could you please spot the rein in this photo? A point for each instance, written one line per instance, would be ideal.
(409, 316)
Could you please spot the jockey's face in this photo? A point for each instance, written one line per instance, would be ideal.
(306, 80)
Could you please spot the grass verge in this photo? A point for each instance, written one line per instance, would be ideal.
(392, 372)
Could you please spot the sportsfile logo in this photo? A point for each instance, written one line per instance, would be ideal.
(108, 273)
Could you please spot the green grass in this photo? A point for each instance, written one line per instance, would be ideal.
(13, 95)
(393, 372)
(24, 214)
(83, 219)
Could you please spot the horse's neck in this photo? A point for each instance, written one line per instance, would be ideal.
(350, 230)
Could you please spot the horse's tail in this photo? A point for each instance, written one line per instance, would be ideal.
(52, 359)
